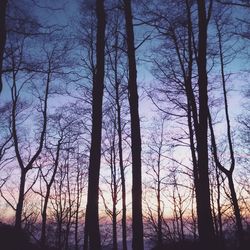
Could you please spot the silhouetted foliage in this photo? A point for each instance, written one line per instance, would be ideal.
(15, 239)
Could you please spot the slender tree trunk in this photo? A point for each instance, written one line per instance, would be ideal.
(181, 218)
(92, 231)
(159, 215)
(70, 204)
(216, 228)
(46, 199)
(205, 220)
(123, 183)
(137, 223)
(232, 158)
(221, 234)
(78, 202)
(120, 152)
(159, 209)
(228, 173)
(236, 211)
(114, 222)
(114, 190)
(19, 207)
(3, 8)
(20, 161)
(44, 219)
(193, 215)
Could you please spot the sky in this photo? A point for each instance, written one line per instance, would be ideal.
(65, 13)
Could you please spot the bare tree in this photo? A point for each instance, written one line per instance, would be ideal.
(205, 221)
(116, 74)
(157, 171)
(110, 156)
(137, 223)
(178, 75)
(28, 166)
(92, 232)
(227, 172)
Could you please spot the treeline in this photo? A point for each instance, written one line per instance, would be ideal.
(118, 127)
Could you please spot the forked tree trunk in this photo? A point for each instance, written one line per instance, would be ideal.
(24, 169)
(228, 173)
(92, 231)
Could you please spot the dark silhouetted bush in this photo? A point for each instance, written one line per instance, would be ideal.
(14, 239)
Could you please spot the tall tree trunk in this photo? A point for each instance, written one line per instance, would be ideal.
(79, 181)
(137, 223)
(92, 231)
(228, 173)
(70, 205)
(232, 158)
(158, 197)
(3, 8)
(114, 189)
(205, 220)
(120, 149)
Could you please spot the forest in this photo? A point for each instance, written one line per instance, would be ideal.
(124, 125)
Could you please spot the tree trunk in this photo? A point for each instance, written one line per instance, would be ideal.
(120, 151)
(44, 219)
(3, 8)
(228, 173)
(137, 223)
(59, 232)
(29, 166)
(114, 190)
(78, 203)
(114, 222)
(92, 231)
(159, 209)
(124, 209)
(221, 234)
(70, 204)
(205, 220)
(19, 207)
(46, 199)
(159, 215)
(236, 211)
(230, 143)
